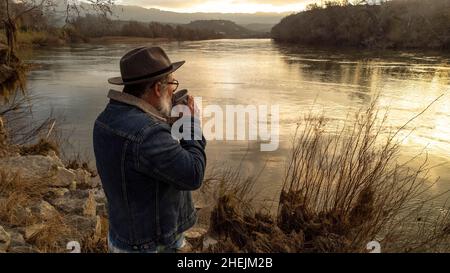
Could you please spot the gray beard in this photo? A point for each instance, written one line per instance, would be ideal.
(165, 106)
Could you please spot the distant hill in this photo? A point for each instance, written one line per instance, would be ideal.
(136, 13)
(91, 26)
(265, 28)
(225, 28)
(259, 22)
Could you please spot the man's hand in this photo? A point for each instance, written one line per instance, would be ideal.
(193, 111)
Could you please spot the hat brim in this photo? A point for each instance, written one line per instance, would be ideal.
(119, 80)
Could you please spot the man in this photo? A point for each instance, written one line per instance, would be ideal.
(146, 174)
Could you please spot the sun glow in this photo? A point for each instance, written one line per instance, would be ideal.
(229, 7)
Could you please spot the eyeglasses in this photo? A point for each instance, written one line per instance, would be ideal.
(174, 82)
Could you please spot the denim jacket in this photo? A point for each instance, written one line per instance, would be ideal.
(146, 174)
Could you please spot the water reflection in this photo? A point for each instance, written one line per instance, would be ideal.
(261, 72)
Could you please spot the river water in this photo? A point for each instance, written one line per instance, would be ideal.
(72, 82)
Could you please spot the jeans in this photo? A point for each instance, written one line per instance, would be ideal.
(179, 243)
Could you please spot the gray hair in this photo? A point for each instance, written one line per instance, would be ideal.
(138, 90)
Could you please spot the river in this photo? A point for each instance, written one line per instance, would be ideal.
(72, 82)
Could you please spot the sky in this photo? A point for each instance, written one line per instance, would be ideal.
(224, 6)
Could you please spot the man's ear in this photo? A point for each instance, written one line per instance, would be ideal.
(158, 90)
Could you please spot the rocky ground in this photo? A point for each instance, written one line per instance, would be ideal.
(47, 205)
(67, 205)
(72, 197)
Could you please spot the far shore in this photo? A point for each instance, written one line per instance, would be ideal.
(44, 39)
(30, 43)
(126, 39)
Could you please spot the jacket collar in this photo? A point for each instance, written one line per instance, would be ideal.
(137, 102)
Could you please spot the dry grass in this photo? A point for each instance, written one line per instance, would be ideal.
(3, 139)
(17, 198)
(97, 242)
(43, 147)
(15, 83)
(20, 133)
(343, 188)
(78, 161)
(54, 235)
(18, 195)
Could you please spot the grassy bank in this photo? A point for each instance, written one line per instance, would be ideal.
(45, 201)
(31, 39)
(343, 188)
(37, 39)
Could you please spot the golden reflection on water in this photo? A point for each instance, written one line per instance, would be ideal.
(261, 72)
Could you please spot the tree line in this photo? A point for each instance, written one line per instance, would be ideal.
(93, 26)
(376, 24)
(49, 22)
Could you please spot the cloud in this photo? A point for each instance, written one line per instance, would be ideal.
(221, 5)
(162, 3)
(273, 2)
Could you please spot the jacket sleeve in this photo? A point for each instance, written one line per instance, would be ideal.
(180, 163)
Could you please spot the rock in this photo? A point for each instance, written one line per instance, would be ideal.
(195, 236)
(45, 211)
(100, 196)
(5, 240)
(82, 202)
(53, 154)
(33, 230)
(186, 248)
(35, 167)
(73, 186)
(16, 239)
(199, 201)
(96, 182)
(195, 233)
(79, 194)
(84, 179)
(209, 241)
(84, 225)
(64, 178)
(26, 248)
(56, 192)
(102, 210)
(69, 205)
(90, 206)
(18, 244)
(98, 229)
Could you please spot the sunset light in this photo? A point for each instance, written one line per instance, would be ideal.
(222, 6)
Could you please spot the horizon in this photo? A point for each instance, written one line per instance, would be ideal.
(221, 6)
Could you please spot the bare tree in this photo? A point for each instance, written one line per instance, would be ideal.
(13, 11)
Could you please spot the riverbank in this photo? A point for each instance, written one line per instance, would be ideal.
(43, 39)
(337, 205)
(45, 204)
(304, 222)
(392, 24)
(126, 40)
(49, 206)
